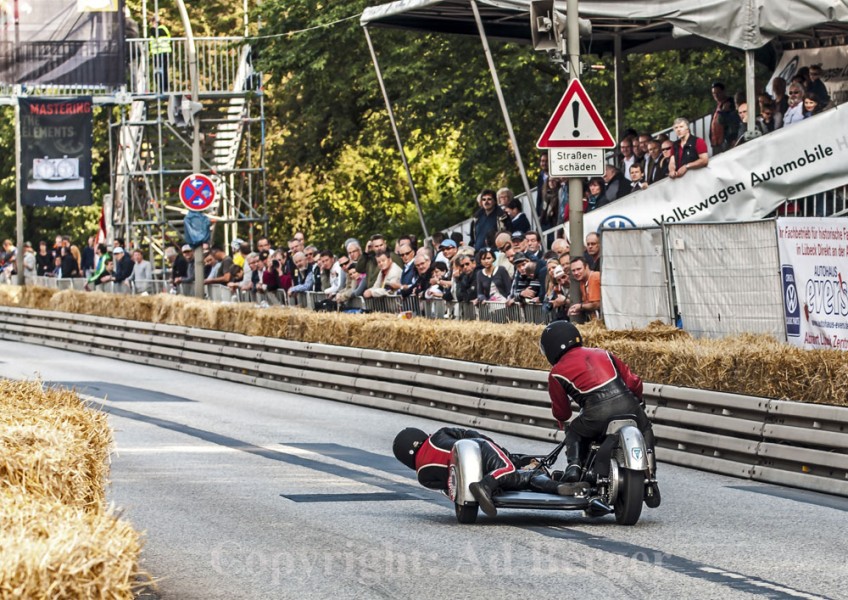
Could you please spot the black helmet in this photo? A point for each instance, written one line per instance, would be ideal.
(406, 445)
(558, 338)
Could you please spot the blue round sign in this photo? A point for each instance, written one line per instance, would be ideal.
(197, 192)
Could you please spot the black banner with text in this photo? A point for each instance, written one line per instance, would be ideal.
(55, 167)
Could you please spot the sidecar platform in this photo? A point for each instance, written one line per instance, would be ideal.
(538, 500)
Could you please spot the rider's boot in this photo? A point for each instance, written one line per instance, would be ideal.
(483, 491)
(652, 493)
(573, 472)
(540, 482)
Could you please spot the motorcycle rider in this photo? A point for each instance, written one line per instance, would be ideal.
(429, 456)
(603, 387)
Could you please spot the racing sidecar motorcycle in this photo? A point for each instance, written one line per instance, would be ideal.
(615, 478)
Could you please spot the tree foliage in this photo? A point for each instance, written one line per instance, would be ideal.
(333, 165)
(337, 170)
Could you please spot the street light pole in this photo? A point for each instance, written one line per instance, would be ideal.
(191, 51)
(575, 184)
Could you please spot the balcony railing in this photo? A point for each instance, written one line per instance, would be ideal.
(218, 62)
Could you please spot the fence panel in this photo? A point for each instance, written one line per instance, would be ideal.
(535, 313)
(500, 312)
(727, 278)
(383, 304)
(634, 279)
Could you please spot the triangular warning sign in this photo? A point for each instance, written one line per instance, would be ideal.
(575, 123)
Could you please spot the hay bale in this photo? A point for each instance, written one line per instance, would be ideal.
(29, 296)
(52, 551)
(751, 365)
(52, 446)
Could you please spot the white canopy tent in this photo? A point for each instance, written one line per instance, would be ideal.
(619, 26)
(742, 24)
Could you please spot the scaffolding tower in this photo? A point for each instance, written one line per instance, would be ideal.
(154, 141)
(150, 141)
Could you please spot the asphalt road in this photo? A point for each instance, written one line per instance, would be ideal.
(247, 493)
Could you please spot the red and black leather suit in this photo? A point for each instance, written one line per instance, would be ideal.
(433, 458)
(603, 387)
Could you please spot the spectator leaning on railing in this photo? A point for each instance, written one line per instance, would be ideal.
(588, 309)
(142, 273)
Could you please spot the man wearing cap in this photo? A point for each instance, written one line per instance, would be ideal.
(238, 257)
(123, 264)
(188, 258)
(526, 286)
(447, 250)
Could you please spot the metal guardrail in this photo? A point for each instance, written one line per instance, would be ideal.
(761, 439)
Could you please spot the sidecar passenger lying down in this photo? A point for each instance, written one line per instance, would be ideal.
(617, 488)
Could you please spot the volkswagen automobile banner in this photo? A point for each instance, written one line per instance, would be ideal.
(746, 183)
(814, 270)
(55, 152)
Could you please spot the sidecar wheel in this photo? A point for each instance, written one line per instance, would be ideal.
(628, 501)
(466, 513)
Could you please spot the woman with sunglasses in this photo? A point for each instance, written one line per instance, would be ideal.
(493, 284)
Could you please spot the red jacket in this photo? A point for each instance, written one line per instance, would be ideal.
(586, 374)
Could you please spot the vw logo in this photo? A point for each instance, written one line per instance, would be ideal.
(789, 70)
(791, 298)
(616, 222)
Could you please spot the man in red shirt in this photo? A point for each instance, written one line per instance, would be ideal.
(689, 152)
(602, 386)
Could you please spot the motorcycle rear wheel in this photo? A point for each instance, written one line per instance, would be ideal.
(628, 501)
(466, 513)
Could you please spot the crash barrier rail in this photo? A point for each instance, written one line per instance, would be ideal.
(761, 439)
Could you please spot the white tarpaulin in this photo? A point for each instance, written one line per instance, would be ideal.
(744, 184)
(814, 270)
(634, 280)
(725, 278)
(745, 24)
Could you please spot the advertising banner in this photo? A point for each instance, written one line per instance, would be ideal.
(63, 42)
(814, 271)
(55, 165)
(834, 64)
(745, 184)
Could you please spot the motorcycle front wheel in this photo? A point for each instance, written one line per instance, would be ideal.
(628, 501)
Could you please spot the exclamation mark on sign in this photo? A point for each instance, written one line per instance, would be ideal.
(575, 112)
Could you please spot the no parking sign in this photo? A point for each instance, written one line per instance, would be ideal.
(197, 192)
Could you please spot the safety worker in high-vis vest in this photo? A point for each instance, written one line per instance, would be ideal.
(160, 50)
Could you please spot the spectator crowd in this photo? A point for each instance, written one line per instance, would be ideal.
(504, 260)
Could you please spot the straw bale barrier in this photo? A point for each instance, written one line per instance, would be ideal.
(52, 551)
(57, 539)
(746, 364)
